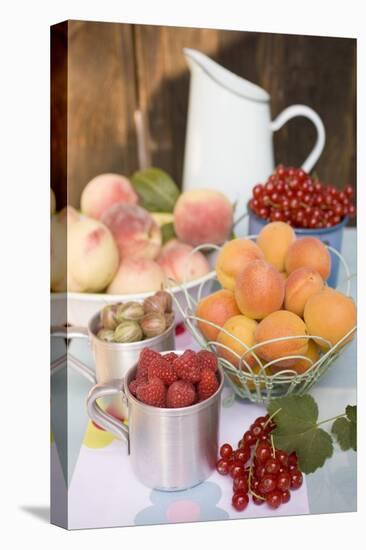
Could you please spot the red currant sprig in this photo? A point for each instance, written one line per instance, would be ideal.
(259, 470)
(292, 196)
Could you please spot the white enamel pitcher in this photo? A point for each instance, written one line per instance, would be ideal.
(229, 145)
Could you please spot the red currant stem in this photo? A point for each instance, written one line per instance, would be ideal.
(330, 419)
(270, 418)
(273, 447)
(251, 470)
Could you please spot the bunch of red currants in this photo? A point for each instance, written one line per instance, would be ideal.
(291, 195)
(258, 469)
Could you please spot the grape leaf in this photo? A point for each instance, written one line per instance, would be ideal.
(351, 412)
(156, 189)
(297, 430)
(345, 429)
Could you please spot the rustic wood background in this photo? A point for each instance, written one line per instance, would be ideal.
(109, 79)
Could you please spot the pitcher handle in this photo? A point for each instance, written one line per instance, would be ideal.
(305, 111)
(102, 418)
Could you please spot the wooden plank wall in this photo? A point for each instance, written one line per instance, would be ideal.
(122, 77)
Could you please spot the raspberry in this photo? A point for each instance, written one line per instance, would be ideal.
(146, 357)
(132, 386)
(187, 367)
(180, 394)
(152, 392)
(207, 359)
(170, 357)
(162, 368)
(208, 384)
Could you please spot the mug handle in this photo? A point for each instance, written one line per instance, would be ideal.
(102, 418)
(68, 333)
(305, 111)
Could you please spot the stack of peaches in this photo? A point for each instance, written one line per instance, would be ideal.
(115, 245)
(275, 288)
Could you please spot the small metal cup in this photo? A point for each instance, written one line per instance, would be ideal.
(170, 449)
(112, 359)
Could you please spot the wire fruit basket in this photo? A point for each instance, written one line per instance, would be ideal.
(251, 377)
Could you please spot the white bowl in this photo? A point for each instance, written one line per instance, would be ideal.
(77, 308)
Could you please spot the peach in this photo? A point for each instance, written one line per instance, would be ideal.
(179, 264)
(302, 365)
(203, 216)
(233, 257)
(53, 202)
(300, 285)
(274, 240)
(216, 308)
(104, 191)
(331, 315)
(137, 275)
(280, 324)
(92, 255)
(259, 289)
(58, 255)
(240, 327)
(68, 215)
(135, 231)
(308, 252)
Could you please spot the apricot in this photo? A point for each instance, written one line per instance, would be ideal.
(259, 289)
(280, 324)
(92, 255)
(104, 191)
(203, 216)
(308, 252)
(180, 264)
(301, 365)
(242, 328)
(233, 257)
(330, 314)
(136, 275)
(274, 241)
(300, 285)
(135, 231)
(216, 308)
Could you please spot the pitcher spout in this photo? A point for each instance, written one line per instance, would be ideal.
(223, 77)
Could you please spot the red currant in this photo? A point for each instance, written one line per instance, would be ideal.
(237, 469)
(222, 466)
(240, 484)
(267, 484)
(274, 499)
(292, 458)
(283, 481)
(258, 500)
(272, 466)
(248, 438)
(256, 431)
(240, 501)
(260, 471)
(258, 190)
(226, 450)
(242, 454)
(282, 457)
(285, 497)
(296, 479)
(263, 451)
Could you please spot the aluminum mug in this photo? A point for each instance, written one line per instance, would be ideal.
(112, 359)
(170, 449)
